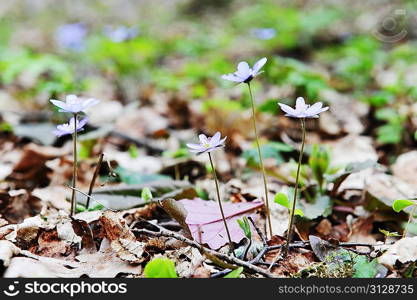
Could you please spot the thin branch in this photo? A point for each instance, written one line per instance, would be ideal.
(229, 259)
(93, 180)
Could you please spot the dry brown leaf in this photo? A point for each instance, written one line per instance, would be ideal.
(122, 240)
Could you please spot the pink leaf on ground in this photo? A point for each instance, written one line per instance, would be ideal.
(206, 224)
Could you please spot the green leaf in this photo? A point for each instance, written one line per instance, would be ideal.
(133, 151)
(146, 194)
(399, 205)
(388, 233)
(235, 273)
(160, 268)
(244, 224)
(364, 268)
(282, 199)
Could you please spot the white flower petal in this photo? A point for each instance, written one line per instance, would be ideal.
(203, 139)
(316, 107)
(60, 104)
(243, 70)
(300, 104)
(215, 139)
(194, 146)
(258, 65)
(289, 110)
(90, 102)
(232, 77)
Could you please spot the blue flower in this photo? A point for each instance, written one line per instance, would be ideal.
(244, 73)
(74, 104)
(69, 128)
(303, 110)
(71, 36)
(207, 144)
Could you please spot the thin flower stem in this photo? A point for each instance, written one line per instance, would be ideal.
(410, 219)
(93, 180)
(220, 203)
(74, 170)
(291, 219)
(268, 214)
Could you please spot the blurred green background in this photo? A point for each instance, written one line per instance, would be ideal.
(131, 50)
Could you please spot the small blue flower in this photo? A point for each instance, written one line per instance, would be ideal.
(303, 110)
(71, 36)
(264, 33)
(244, 73)
(74, 104)
(120, 33)
(207, 144)
(68, 128)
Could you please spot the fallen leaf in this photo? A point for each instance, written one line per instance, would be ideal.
(206, 224)
(404, 251)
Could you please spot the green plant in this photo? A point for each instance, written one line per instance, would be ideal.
(160, 268)
(402, 204)
(282, 199)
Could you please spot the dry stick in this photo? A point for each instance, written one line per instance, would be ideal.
(410, 219)
(74, 170)
(220, 204)
(230, 259)
(291, 219)
(268, 215)
(93, 180)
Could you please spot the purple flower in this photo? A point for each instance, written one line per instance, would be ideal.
(264, 33)
(71, 36)
(207, 144)
(244, 73)
(74, 104)
(303, 110)
(120, 33)
(68, 128)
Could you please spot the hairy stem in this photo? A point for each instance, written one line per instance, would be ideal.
(74, 170)
(410, 219)
(93, 180)
(220, 203)
(291, 218)
(268, 214)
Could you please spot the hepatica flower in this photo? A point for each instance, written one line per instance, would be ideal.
(264, 33)
(69, 128)
(71, 36)
(303, 110)
(74, 104)
(120, 33)
(207, 144)
(244, 73)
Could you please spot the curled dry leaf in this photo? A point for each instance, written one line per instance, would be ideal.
(7, 251)
(103, 264)
(122, 240)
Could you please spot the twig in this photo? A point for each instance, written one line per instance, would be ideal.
(259, 232)
(224, 257)
(93, 180)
